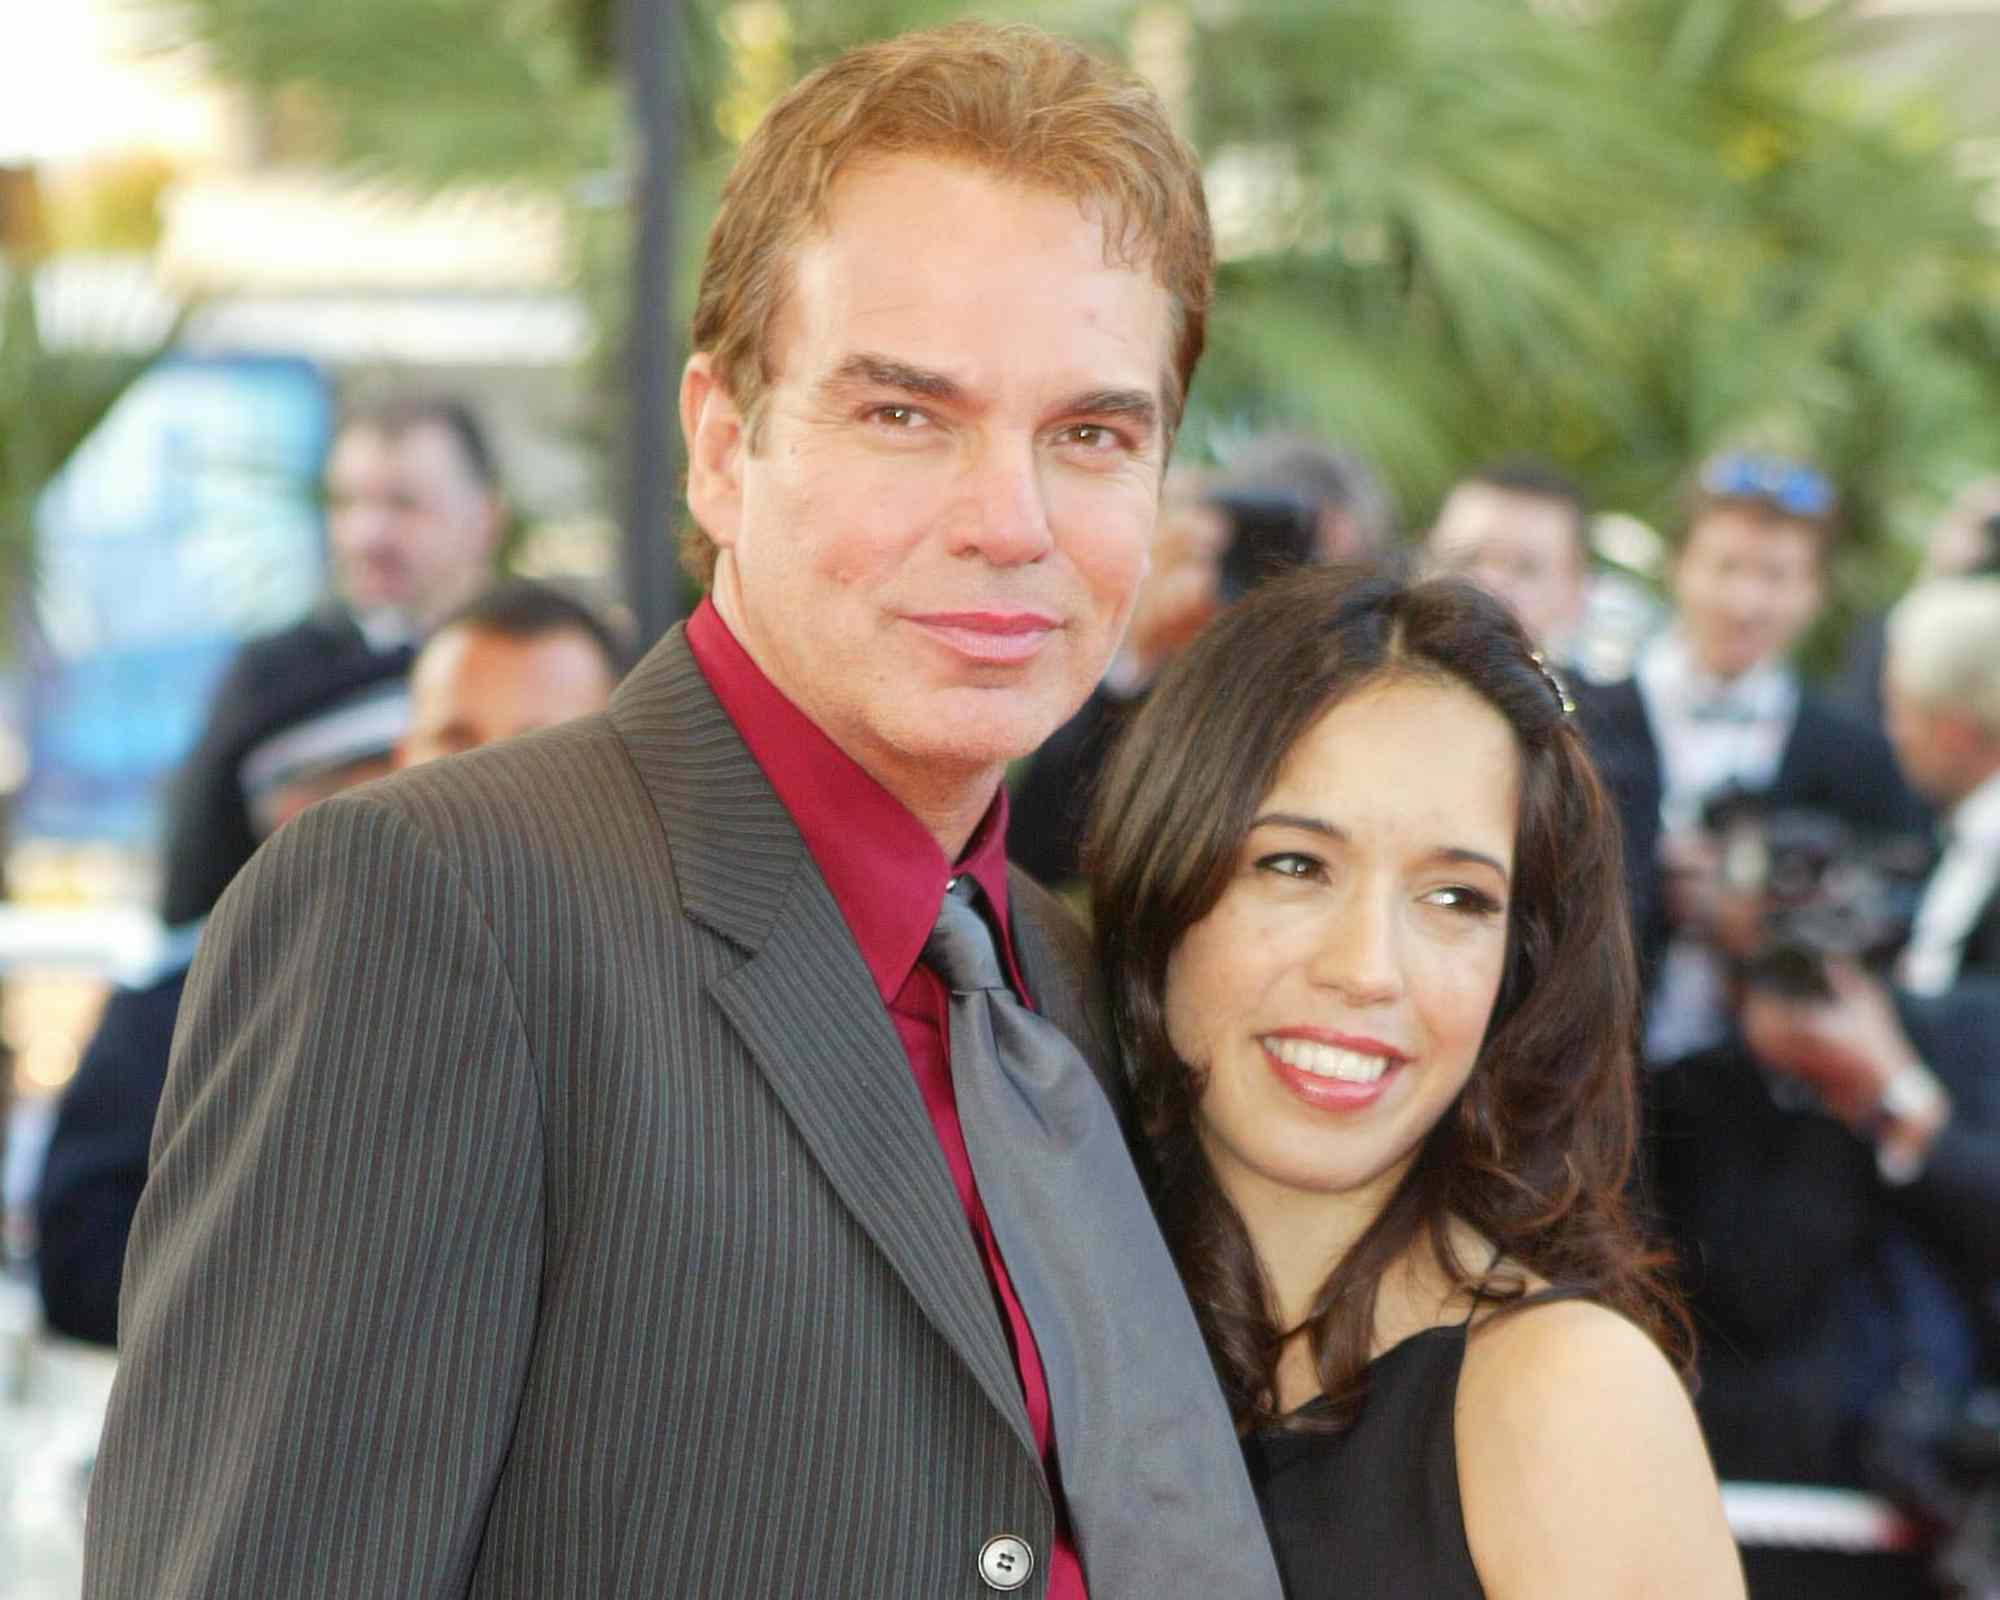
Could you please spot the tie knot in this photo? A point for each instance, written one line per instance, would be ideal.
(1727, 709)
(960, 949)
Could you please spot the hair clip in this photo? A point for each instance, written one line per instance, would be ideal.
(1555, 684)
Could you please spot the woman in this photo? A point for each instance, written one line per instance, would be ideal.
(1358, 899)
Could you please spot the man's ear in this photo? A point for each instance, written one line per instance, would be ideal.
(715, 435)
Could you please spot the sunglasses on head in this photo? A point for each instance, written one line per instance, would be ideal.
(1796, 490)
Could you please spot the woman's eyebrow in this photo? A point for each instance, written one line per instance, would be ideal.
(1299, 822)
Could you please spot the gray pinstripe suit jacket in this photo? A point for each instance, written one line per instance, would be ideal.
(542, 1205)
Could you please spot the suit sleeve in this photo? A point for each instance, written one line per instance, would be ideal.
(1956, 1199)
(330, 1293)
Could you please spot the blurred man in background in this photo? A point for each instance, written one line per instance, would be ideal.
(1519, 530)
(1283, 500)
(414, 519)
(1941, 688)
(1716, 710)
(520, 656)
(1964, 542)
(1824, 1159)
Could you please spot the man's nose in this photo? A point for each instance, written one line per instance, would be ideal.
(363, 525)
(1004, 515)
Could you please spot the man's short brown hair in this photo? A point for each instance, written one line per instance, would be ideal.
(1013, 101)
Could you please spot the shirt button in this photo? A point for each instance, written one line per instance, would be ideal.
(1005, 1562)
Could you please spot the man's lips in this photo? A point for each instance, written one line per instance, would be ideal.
(991, 638)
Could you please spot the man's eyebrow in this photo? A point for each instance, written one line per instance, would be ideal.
(885, 372)
(1327, 830)
(1134, 405)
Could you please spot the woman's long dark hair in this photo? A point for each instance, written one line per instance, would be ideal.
(1537, 1149)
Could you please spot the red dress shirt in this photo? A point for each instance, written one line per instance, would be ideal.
(888, 876)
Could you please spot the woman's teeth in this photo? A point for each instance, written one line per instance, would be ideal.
(1328, 1061)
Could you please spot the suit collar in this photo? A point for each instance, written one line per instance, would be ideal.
(805, 1004)
(736, 851)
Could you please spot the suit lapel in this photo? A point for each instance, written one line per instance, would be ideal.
(805, 1005)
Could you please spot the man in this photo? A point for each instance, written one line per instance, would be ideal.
(566, 1183)
(1284, 498)
(414, 516)
(521, 656)
(1517, 529)
(1964, 542)
(1715, 709)
(1941, 690)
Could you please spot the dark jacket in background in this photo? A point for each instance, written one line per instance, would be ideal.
(1779, 1212)
(96, 1163)
(1050, 804)
(209, 834)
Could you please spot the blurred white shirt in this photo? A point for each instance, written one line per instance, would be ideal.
(1965, 879)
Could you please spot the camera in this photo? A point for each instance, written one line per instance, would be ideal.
(1823, 889)
(1270, 532)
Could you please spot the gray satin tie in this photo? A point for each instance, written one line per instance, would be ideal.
(1150, 1463)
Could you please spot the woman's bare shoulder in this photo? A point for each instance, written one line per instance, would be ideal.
(1582, 1470)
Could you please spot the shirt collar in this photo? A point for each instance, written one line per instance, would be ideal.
(886, 873)
(1669, 671)
(1976, 818)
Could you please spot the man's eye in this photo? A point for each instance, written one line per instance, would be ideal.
(899, 416)
(1093, 436)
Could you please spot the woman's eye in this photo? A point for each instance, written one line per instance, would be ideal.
(1290, 864)
(1462, 897)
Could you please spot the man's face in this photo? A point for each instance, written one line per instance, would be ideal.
(471, 686)
(934, 544)
(411, 528)
(1943, 754)
(1520, 548)
(1746, 588)
(1959, 542)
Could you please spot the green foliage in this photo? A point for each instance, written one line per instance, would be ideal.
(1618, 244)
(1617, 233)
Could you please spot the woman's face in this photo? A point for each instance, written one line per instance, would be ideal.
(1337, 994)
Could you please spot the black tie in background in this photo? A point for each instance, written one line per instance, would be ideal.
(1149, 1459)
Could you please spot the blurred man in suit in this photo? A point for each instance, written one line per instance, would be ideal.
(1714, 709)
(1282, 499)
(1518, 529)
(1964, 542)
(1941, 690)
(561, 1186)
(414, 517)
(521, 656)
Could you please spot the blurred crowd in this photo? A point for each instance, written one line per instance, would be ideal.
(1813, 876)
(419, 650)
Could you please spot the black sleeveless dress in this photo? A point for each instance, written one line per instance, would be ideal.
(1373, 1513)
